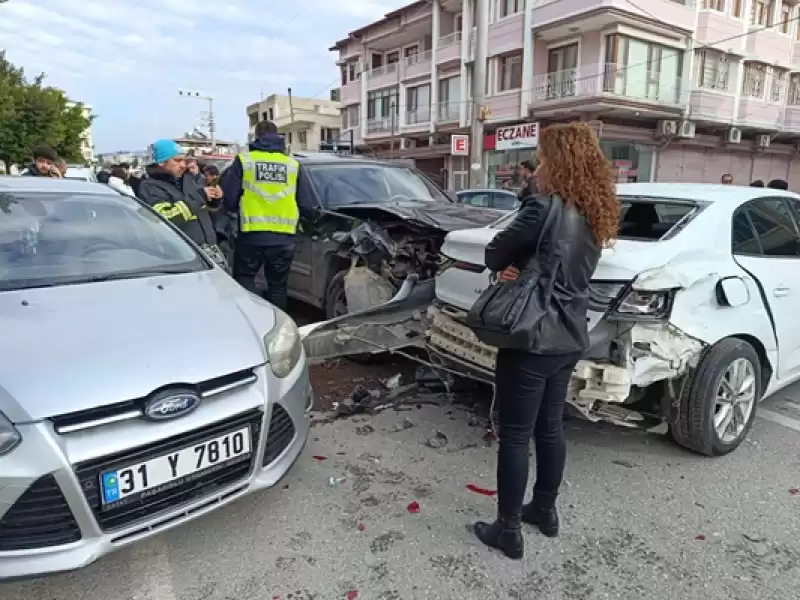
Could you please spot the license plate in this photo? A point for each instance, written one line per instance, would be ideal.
(150, 477)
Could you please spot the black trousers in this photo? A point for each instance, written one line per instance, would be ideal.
(276, 260)
(531, 391)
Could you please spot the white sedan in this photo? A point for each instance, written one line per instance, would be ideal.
(693, 316)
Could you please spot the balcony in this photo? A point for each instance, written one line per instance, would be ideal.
(769, 46)
(715, 106)
(417, 65)
(384, 76)
(419, 118)
(713, 26)
(381, 126)
(351, 93)
(576, 87)
(791, 116)
(553, 17)
(506, 34)
(449, 48)
(449, 111)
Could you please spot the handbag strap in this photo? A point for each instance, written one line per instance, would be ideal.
(553, 215)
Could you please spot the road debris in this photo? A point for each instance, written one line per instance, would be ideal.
(479, 490)
(413, 507)
(403, 425)
(794, 491)
(439, 440)
(361, 527)
(489, 437)
(365, 430)
(393, 382)
(319, 457)
(626, 463)
(700, 537)
(431, 379)
(336, 481)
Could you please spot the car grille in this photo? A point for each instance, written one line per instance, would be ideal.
(133, 409)
(280, 434)
(40, 518)
(89, 473)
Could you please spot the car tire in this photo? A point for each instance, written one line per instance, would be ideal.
(695, 428)
(335, 301)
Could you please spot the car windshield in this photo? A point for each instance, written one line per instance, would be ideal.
(337, 185)
(505, 201)
(49, 239)
(643, 218)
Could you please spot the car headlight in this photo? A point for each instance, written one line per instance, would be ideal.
(9, 436)
(640, 304)
(283, 344)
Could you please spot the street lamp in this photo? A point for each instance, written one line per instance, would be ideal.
(211, 123)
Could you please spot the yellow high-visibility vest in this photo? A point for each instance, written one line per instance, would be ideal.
(269, 192)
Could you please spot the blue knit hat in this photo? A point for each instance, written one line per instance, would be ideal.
(163, 150)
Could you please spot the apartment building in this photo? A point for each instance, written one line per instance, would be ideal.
(305, 122)
(679, 90)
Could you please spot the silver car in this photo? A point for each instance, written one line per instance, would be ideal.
(140, 386)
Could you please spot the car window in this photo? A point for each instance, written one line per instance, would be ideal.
(49, 239)
(479, 199)
(654, 218)
(775, 226)
(339, 184)
(744, 236)
(505, 201)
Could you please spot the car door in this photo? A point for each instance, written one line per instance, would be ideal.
(302, 267)
(766, 242)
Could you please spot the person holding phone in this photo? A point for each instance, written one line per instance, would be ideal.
(44, 163)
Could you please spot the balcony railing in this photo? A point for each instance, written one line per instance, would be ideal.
(449, 111)
(384, 70)
(450, 40)
(418, 58)
(686, 3)
(418, 116)
(381, 124)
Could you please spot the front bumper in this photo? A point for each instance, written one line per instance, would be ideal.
(50, 514)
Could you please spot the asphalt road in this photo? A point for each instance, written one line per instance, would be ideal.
(642, 519)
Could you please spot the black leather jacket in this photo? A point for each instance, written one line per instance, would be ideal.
(563, 330)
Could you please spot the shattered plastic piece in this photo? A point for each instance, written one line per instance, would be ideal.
(479, 490)
(700, 537)
(393, 382)
(361, 527)
(489, 437)
(794, 491)
(319, 457)
(413, 507)
(405, 424)
(335, 481)
(365, 289)
(625, 463)
(439, 440)
(428, 378)
(352, 595)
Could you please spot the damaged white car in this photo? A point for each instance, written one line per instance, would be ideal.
(693, 317)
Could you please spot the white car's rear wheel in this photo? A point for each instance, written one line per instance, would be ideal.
(718, 406)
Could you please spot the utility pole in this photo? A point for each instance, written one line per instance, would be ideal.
(291, 118)
(392, 108)
(476, 171)
(210, 121)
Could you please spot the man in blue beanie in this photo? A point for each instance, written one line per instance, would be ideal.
(179, 198)
(261, 186)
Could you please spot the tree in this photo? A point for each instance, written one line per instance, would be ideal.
(32, 114)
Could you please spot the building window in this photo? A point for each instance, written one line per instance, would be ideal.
(459, 22)
(345, 123)
(510, 75)
(449, 98)
(353, 115)
(301, 137)
(511, 7)
(786, 17)
(738, 5)
(393, 57)
(754, 75)
(794, 90)
(778, 83)
(642, 70)
(271, 112)
(418, 104)
(380, 103)
(352, 70)
(760, 14)
(713, 70)
(562, 66)
(718, 5)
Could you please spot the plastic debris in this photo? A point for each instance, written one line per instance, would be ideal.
(625, 463)
(352, 595)
(361, 527)
(431, 380)
(413, 507)
(404, 424)
(439, 440)
(335, 481)
(700, 537)
(319, 457)
(479, 490)
(794, 491)
(489, 437)
(393, 382)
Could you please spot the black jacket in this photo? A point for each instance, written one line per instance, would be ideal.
(32, 171)
(529, 188)
(576, 254)
(169, 195)
(231, 184)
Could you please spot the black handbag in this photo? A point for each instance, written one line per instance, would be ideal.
(507, 314)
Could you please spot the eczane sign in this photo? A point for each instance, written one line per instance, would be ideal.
(525, 135)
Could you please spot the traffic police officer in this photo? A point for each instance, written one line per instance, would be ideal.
(261, 186)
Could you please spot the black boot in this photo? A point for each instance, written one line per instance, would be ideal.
(504, 535)
(541, 513)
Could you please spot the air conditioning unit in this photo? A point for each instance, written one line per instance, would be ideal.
(667, 128)
(407, 143)
(687, 129)
(734, 136)
(336, 95)
(763, 140)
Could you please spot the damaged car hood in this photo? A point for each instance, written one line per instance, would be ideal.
(441, 215)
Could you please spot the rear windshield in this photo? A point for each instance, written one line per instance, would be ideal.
(643, 218)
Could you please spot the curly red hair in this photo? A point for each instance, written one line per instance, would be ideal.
(573, 166)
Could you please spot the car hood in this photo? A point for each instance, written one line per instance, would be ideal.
(71, 348)
(446, 216)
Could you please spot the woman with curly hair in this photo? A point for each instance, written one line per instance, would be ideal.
(531, 384)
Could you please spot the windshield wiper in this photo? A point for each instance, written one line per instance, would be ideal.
(133, 275)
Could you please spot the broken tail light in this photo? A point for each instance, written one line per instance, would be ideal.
(450, 263)
(644, 305)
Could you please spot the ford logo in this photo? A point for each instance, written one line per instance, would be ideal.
(171, 407)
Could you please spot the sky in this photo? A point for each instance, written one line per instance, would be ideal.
(130, 59)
